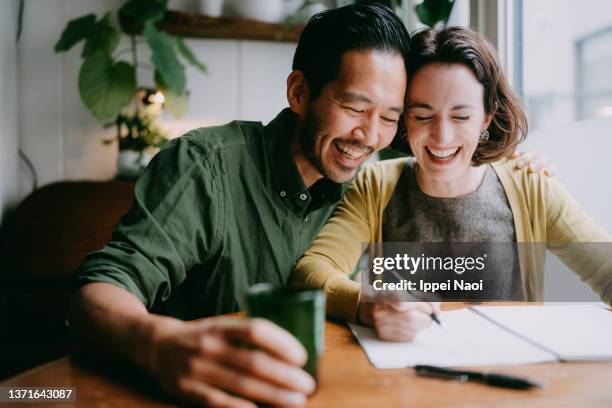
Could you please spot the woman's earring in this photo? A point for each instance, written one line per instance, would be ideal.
(484, 136)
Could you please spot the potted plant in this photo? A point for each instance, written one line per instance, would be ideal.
(139, 137)
(108, 81)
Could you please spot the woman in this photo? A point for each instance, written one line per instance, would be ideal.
(462, 119)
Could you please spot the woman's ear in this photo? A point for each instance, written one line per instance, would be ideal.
(488, 117)
(297, 92)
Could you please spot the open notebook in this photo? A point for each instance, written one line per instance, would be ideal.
(499, 335)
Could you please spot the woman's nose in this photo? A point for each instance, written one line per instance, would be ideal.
(442, 132)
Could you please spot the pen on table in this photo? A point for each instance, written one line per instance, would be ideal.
(433, 316)
(493, 379)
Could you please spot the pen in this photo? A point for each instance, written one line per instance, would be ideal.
(436, 319)
(433, 316)
(493, 379)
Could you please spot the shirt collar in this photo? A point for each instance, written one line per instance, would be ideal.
(287, 178)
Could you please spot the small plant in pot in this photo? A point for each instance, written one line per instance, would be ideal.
(139, 137)
(108, 81)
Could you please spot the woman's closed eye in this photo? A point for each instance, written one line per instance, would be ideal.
(423, 118)
(461, 118)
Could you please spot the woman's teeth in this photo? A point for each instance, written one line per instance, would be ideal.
(350, 151)
(442, 154)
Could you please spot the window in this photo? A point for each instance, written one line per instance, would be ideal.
(566, 53)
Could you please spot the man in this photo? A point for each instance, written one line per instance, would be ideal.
(226, 207)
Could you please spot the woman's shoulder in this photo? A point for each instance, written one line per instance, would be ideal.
(382, 174)
(386, 170)
(534, 187)
(522, 178)
(378, 180)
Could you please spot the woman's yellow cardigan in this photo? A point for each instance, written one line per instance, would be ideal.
(543, 210)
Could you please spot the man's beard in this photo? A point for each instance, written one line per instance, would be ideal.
(308, 139)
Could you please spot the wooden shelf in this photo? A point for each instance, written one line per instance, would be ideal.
(200, 26)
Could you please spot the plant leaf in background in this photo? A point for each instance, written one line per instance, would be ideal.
(188, 55)
(431, 12)
(177, 105)
(163, 56)
(105, 37)
(144, 10)
(76, 30)
(106, 87)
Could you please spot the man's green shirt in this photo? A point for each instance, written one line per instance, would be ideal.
(220, 209)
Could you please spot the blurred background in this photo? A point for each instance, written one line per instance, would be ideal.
(558, 54)
(65, 130)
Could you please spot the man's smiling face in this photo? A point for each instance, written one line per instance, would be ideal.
(354, 115)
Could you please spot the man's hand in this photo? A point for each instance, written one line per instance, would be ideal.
(535, 162)
(205, 361)
(397, 321)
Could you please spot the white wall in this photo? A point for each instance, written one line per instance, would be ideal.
(245, 80)
(581, 151)
(8, 106)
(56, 131)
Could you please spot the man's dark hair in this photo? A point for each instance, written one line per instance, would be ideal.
(331, 33)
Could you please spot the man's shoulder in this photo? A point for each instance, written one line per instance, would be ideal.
(231, 135)
(206, 146)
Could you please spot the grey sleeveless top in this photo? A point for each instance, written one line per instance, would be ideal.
(483, 216)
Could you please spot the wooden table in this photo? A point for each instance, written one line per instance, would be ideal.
(346, 379)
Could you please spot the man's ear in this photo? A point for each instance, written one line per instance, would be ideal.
(297, 92)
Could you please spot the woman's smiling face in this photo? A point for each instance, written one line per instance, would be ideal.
(444, 118)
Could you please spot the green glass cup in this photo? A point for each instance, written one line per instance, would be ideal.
(299, 311)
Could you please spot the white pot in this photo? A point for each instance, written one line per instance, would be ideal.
(212, 8)
(269, 11)
(131, 163)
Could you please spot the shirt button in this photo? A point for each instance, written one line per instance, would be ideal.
(303, 196)
(283, 193)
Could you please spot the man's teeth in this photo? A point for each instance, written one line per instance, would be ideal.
(350, 151)
(443, 154)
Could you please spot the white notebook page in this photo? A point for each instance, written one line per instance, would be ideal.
(573, 332)
(472, 341)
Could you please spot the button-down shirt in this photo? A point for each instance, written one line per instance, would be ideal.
(218, 210)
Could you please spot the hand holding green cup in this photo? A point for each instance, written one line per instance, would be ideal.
(299, 311)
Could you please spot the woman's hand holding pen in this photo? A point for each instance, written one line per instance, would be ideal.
(397, 321)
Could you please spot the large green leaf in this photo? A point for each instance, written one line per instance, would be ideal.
(106, 87)
(76, 30)
(431, 12)
(144, 10)
(176, 104)
(189, 55)
(104, 37)
(164, 58)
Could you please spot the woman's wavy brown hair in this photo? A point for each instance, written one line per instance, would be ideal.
(457, 45)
